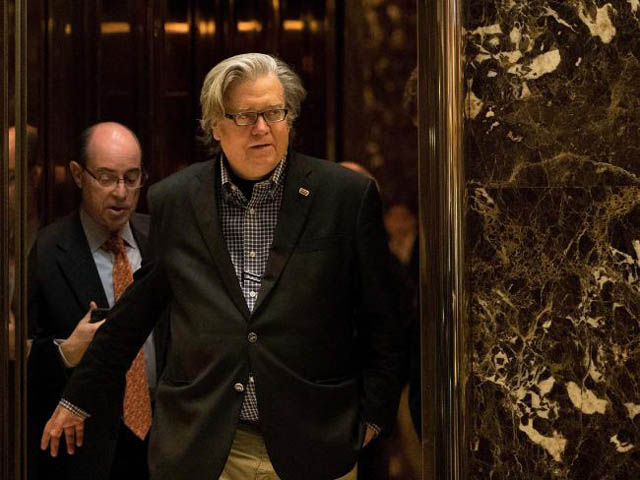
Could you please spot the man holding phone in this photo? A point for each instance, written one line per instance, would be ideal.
(79, 263)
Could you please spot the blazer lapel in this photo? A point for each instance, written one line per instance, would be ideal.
(299, 189)
(77, 265)
(140, 224)
(204, 202)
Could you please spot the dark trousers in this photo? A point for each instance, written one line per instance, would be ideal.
(130, 459)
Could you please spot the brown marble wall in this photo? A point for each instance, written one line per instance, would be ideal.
(553, 227)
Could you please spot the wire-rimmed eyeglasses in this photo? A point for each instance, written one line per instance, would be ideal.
(133, 179)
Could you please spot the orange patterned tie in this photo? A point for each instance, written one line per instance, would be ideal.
(137, 403)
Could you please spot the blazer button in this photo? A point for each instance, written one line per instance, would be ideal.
(252, 337)
(238, 387)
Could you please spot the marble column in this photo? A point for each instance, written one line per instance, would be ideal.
(552, 163)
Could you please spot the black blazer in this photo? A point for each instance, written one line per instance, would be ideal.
(328, 352)
(63, 279)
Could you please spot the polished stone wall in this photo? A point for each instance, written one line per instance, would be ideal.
(552, 152)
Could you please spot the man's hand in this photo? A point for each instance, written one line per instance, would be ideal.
(73, 348)
(63, 420)
(369, 434)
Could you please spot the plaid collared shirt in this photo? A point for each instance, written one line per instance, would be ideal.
(248, 227)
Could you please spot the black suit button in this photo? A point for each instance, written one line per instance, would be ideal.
(252, 337)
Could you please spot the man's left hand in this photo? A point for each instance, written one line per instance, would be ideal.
(65, 422)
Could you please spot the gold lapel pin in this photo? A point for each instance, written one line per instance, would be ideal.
(303, 191)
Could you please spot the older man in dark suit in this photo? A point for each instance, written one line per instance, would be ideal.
(284, 349)
(73, 269)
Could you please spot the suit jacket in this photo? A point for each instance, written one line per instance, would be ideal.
(323, 341)
(63, 279)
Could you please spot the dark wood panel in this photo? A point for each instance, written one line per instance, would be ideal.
(61, 118)
(379, 55)
(178, 51)
(301, 43)
(117, 36)
(179, 134)
(253, 27)
(118, 106)
(129, 60)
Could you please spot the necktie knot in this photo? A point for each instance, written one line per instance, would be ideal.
(114, 244)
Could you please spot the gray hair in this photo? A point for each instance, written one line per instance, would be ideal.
(233, 70)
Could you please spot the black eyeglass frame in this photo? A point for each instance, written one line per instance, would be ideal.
(233, 116)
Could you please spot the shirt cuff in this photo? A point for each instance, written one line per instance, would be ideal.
(376, 429)
(73, 409)
(58, 342)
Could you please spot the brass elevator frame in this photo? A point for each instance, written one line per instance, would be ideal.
(444, 312)
(13, 112)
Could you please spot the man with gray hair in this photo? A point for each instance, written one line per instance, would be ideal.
(284, 352)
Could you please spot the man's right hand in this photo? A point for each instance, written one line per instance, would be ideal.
(73, 348)
(63, 420)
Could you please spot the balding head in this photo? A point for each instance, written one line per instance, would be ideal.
(109, 135)
(110, 151)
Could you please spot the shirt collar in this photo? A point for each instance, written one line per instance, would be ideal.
(96, 234)
(275, 179)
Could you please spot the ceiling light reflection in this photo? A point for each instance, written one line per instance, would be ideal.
(293, 25)
(207, 28)
(250, 26)
(111, 28)
(176, 27)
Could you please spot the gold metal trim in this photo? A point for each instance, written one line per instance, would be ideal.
(442, 206)
(20, 96)
(12, 371)
(4, 246)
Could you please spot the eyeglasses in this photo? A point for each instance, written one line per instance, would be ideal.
(133, 179)
(244, 119)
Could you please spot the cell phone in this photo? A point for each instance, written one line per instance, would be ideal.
(98, 314)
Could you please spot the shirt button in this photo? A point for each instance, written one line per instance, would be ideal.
(252, 337)
(252, 294)
(252, 211)
(238, 387)
(252, 254)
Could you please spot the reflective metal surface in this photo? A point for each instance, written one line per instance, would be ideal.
(4, 244)
(13, 238)
(442, 195)
(20, 302)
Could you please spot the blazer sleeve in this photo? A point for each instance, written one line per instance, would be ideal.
(380, 328)
(46, 373)
(99, 379)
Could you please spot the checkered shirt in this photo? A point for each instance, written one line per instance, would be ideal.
(248, 227)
